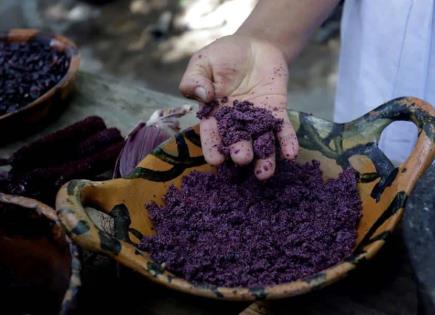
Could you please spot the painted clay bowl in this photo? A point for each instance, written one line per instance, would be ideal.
(51, 101)
(383, 187)
(39, 264)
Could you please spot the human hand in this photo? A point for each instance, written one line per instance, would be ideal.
(246, 69)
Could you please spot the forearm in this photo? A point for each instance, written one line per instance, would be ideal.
(288, 24)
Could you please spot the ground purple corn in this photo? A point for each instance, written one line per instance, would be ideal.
(28, 70)
(229, 229)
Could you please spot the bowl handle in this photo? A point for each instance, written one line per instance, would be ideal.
(411, 109)
(80, 227)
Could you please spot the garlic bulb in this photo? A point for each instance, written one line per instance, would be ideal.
(145, 137)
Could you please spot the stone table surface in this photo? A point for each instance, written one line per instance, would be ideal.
(384, 285)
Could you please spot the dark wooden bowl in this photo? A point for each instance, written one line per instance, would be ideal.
(52, 101)
(383, 187)
(39, 264)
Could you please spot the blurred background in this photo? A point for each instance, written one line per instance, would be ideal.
(148, 42)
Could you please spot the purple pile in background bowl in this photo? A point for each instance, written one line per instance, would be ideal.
(229, 229)
(27, 71)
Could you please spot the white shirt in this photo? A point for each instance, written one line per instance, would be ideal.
(387, 51)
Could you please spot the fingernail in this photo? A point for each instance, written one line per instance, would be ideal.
(201, 93)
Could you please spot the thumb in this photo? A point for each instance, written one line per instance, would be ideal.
(196, 82)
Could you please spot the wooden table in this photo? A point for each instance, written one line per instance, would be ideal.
(384, 286)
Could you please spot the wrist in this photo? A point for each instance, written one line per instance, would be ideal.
(289, 48)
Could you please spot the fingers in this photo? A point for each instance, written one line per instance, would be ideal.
(196, 82)
(265, 168)
(210, 141)
(288, 141)
(241, 152)
(286, 137)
